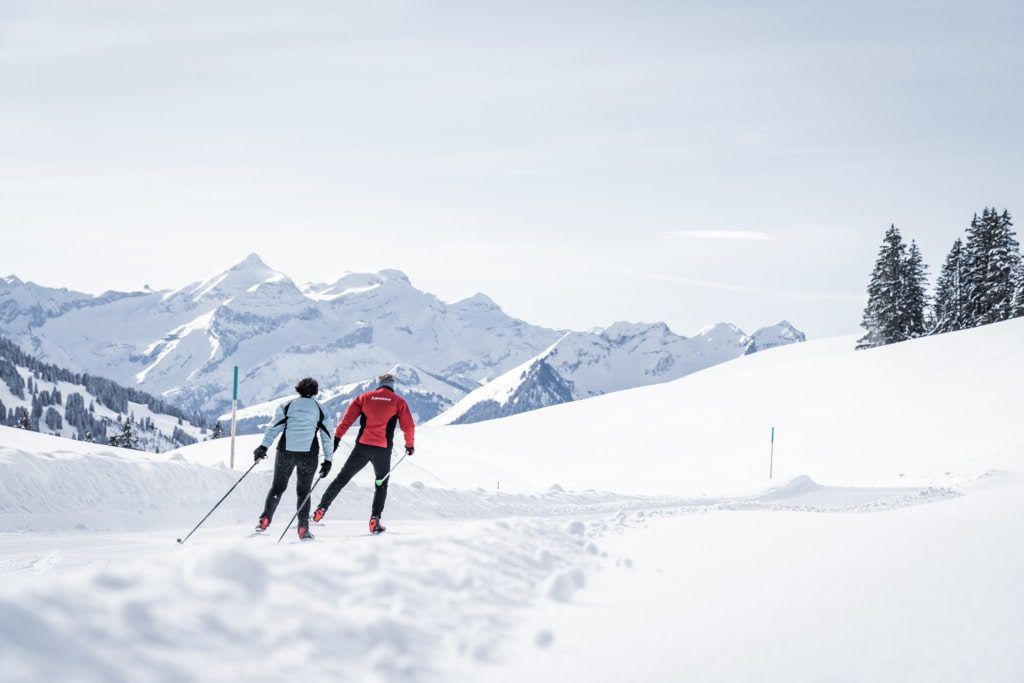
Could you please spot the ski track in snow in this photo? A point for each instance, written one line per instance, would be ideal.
(415, 606)
(95, 589)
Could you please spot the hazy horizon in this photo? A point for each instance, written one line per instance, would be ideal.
(579, 163)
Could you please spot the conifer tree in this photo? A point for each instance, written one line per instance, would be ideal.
(1019, 307)
(884, 312)
(23, 419)
(993, 262)
(216, 430)
(950, 309)
(915, 294)
(126, 439)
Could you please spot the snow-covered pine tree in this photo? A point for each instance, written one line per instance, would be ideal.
(216, 430)
(126, 439)
(884, 313)
(24, 421)
(993, 264)
(949, 312)
(1018, 309)
(915, 294)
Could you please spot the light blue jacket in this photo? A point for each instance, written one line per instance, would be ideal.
(300, 419)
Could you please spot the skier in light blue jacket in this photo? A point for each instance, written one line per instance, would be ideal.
(300, 422)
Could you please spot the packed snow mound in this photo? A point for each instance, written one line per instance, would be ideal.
(931, 409)
(395, 609)
(622, 356)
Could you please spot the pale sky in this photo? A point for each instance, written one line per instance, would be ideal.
(579, 162)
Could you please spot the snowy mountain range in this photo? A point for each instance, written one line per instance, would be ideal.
(56, 401)
(181, 344)
(622, 356)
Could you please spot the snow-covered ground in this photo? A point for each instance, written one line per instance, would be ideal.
(887, 548)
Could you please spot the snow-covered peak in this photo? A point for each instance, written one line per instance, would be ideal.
(477, 301)
(356, 283)
(779, 334)
(724, 334)
(619, 332)
(391, 275)
(245, 277)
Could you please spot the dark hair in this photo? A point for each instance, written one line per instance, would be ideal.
(307, 387)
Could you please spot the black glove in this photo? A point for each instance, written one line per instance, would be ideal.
(259, 453)
(337, 440)
(409, 450)
(325, 467)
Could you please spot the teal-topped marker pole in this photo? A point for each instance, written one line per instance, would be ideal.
(771, 457)
(234, 414)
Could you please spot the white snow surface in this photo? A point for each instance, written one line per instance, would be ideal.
(887, 548)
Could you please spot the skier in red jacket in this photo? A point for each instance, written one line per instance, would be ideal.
(377, 411)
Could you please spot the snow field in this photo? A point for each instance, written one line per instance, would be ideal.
(916, 452)
(928, 411)
(398, 607)
(97, 488)
(417, 604)
(919, 594)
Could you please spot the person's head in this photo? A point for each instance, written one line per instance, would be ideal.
(307, 388)
(386, 380)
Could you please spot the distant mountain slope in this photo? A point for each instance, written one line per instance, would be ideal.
(53, 400)
(622, 356)
(944, 408)
(181, 344)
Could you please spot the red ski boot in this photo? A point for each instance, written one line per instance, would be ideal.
(263, 524)
(304, 534)
(319, 513)
(376, 527)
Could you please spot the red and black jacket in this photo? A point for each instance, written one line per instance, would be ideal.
(378, 412)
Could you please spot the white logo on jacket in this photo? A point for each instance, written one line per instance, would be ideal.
(380, 398)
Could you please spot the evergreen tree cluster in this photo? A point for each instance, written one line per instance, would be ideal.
(49, 410)
(107, 392)
(981, 282)
(126, 437)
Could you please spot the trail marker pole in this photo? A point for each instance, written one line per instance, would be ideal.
(234, 415)
(771, 458)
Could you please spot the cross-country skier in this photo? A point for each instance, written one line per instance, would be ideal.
(377, 411)
(302, 421)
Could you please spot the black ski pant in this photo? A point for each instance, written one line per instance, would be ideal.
(362, 454)
(284, 463)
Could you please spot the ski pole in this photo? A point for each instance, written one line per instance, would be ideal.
(380, 482)
(181, 541)
(302, 505)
